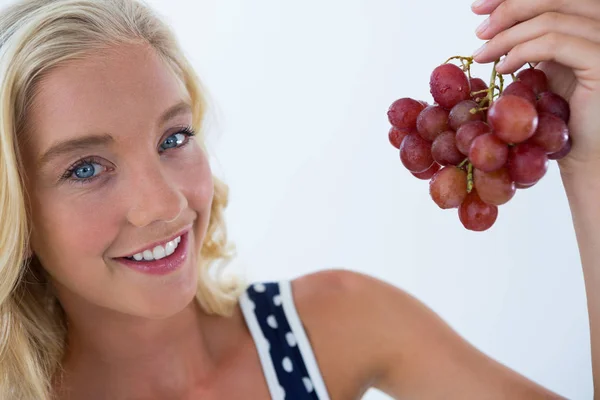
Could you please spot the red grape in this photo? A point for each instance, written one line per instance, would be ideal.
(432, 121)
(536, 79)
(469, 131)
(396, 136)
(524, 186)
(477, 85)
(448, 187)
(513, 119)
(444, 149)
(552, 133)
(562, 153)
(494, 187)
(415, 153)
(504, 145)
(427, 175)
(518, 88)
(449, 85)
(461, 114)
(488, 153)
(554, 104)
(403, 113)
(476, 215)
(527, 163)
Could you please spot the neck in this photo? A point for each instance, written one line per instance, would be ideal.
(120, 355)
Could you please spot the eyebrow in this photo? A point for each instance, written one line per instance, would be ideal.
(105, 139)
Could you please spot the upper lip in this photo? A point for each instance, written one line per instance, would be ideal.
(162, 242)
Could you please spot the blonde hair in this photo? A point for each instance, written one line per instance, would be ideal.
(35, 37)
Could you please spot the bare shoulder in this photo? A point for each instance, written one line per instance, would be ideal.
(368, 333)
(328, 303)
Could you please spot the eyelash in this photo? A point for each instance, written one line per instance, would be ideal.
(188, 131)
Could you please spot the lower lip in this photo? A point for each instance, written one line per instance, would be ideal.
(164, 265)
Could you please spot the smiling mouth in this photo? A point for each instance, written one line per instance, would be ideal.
(158, 252)
(161, 259)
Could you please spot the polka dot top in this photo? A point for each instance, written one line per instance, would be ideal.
(287, 359)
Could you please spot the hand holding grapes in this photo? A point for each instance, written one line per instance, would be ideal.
(563, 36)
(478, 144)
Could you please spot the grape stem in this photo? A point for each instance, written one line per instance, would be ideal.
(490, 96)
(501, 78)
(465, 62)
(469, 178)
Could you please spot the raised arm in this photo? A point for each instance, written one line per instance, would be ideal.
(564, 36)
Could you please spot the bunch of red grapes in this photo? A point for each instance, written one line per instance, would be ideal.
(477, 144)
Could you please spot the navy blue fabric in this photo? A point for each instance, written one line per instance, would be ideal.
(269, 312)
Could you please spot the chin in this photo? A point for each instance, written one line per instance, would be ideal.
(167, 298)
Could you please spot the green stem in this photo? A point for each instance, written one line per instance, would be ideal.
(469, 178)
(468, 68)
(490, 96)
(462, 58)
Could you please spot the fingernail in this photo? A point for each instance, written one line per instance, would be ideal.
(477, 3)
(484, 25)
(479, 50)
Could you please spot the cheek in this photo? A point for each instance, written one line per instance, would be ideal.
(196, 182)
(69, 228)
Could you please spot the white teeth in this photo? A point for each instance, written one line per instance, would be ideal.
(170, 247)
(158, 252)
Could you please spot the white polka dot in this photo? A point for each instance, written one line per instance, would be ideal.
(287, 364)
(291, 339)
(272, 321)
(308, 384)
(277, 300)
(259, 288)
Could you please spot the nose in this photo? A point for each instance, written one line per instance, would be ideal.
(156, 198)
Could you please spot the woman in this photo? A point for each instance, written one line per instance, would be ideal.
(112, 224)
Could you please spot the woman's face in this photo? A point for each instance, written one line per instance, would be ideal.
(111, 172)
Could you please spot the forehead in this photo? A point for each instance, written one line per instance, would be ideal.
(125, 88)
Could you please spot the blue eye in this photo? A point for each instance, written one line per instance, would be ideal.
(86, 170)
(173, 141)
(178, 139)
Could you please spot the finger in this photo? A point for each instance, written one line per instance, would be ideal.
(510, 12)
(485, 7)
(541, 25)
(579, 54)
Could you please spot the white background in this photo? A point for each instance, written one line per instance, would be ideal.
(299, 131)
